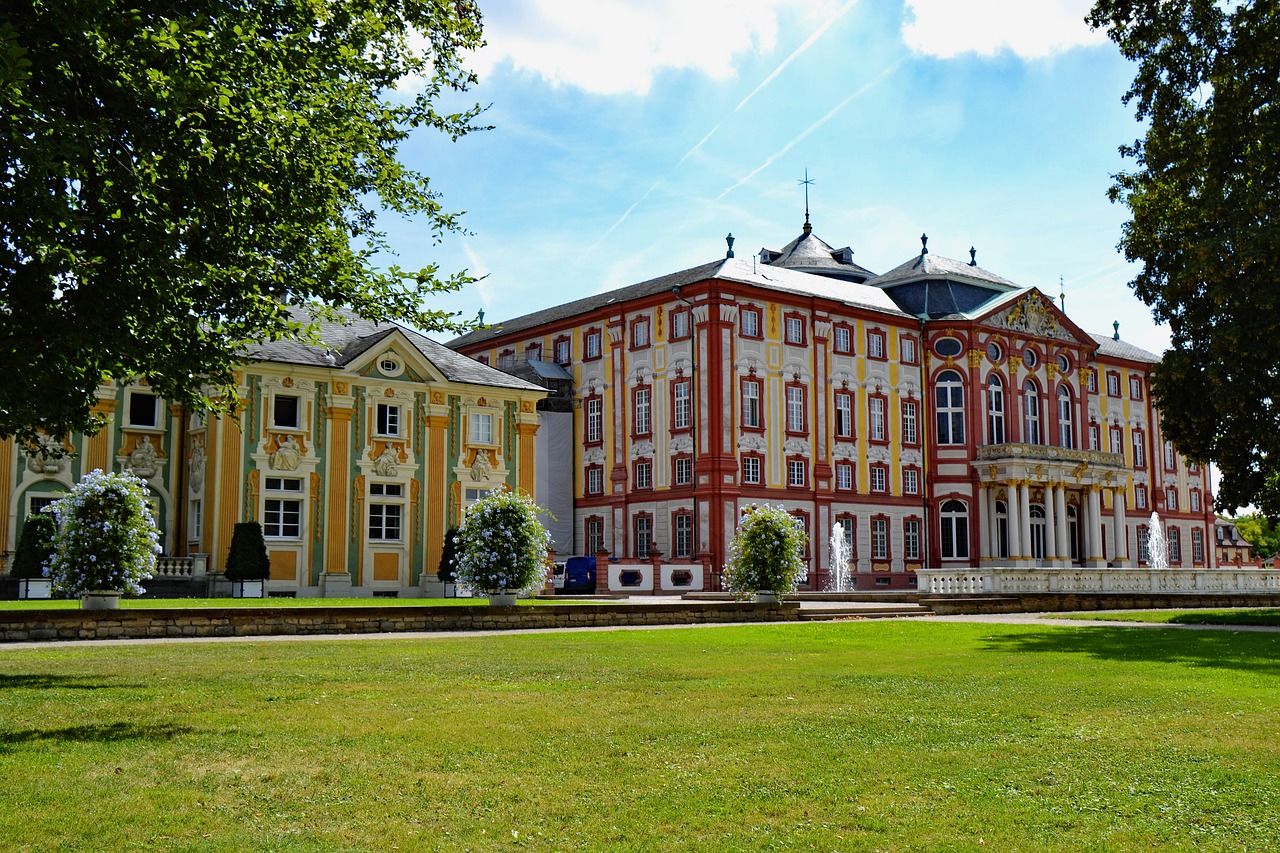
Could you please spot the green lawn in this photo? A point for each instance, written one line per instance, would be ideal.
(1243, 616)
(165, 603)
(898, 735)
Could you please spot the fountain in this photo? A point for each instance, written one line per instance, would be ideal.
(1157, 547)
(839, 579)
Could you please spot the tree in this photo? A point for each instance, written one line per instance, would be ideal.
(175, 174)
(1260, 532)
(247, 558)
(35, 546)
(1203, 200)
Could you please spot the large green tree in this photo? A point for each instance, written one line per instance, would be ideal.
(1260, 532)
(175, 173)
(1203, 198)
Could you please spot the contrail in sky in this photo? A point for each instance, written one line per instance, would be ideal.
(795, 54)
(810, 129)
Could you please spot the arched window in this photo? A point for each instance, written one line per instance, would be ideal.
(1031, 413)
(1066, 429)
(955, 530)
(995, 410)
(949, 400)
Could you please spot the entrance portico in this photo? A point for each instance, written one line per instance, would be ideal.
(1043, 506)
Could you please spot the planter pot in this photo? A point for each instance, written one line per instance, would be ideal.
(100, 600)
(765, 597)
(35, 588)
(248, 589)
(502, 599)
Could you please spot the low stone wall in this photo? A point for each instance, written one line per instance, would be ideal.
(28, 625)
(946, 605)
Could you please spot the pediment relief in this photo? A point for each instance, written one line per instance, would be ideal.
(1034, 316)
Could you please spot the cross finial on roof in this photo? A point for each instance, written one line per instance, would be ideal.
(806, 182)
(1062, 294)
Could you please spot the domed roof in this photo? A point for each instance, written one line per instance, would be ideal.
(810, 253)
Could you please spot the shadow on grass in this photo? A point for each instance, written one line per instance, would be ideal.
(98, 733)
(1258, 653)
(44, 681)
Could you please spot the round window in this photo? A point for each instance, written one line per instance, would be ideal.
(994, 352)
(1064, 364)
(948, 347)
(1029, 358)
(389, 366)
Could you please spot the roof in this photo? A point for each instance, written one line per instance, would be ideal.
(1109, 347)
(810, 253)
(733, 270)
(343, 341)
(936, 266)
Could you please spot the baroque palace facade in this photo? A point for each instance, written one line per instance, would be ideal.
(355, 456)
(941, 415)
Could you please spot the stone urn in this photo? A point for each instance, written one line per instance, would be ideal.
(766, 597)
(505, 598)
(100, 599)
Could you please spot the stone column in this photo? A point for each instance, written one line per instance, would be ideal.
(1064, 529)
(1094, 537)
(1014, 524)
(984, 528)
(1052, 557)
(1117, 528)
(1024, 515)
(993, 523)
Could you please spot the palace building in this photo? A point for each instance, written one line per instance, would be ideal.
(355, 455)
(938, 414)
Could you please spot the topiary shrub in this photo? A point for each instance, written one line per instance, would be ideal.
(107, 538)
(247, 558)
(502, 547)
(767, 554)
(447, 571)
(35, 547)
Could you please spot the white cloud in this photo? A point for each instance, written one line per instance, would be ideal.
(1031, 29)
(611, 47)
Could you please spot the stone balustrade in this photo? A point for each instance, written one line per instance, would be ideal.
(996, 581)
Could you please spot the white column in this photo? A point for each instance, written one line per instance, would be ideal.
(993, 523)
(1117, 527)
(1064, 529)
(1050, 526)
(1014, 524)
(1095, 523)
(1024, 515)
(984, 523)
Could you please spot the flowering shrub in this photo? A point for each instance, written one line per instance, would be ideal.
(501, 544)
(107, 539)
(767, 554)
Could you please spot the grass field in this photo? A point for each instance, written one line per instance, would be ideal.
(165, 603)
(1242, 616)
(900, 735)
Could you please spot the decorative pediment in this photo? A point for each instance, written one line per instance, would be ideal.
(1031, 315)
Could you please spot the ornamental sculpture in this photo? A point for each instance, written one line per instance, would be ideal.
(287, 455)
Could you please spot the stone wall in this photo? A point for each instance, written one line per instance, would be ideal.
(946, 605)
(27, 625)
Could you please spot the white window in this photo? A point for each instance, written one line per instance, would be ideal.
(481, 427)
(142, 409)
(644, 475)
(844, 476)
(595, 406)
(1139, 450)
(683, 535)
(795, 330)
(911, 539)
(595, 480)
(1113, 384)
(1170, 457)
(595, 535)
(286, 411)
(681, 404)
(750, 320)
(843, 342)
(388, 419)
(196, 530)
(844, 414)
(679, 325)
(910, 431)
(506, 360)
(562, 352)
(751, 470)
(795, 408)
(385, 517)
(795, 472)
(1140, 497)
(949, 399)
(388, 365)
(876, 408)
(282, 516)
(640, 334)
(1095, 437)
(875, 344)
(955, 530)
(643, 411)
(592, 345)
(1117, 440)
(1175, 546)
(1031, 413)
(879, 478)
(879, 539)
(1135, 387)
(644, 536)
(910, 481)
(684, 470)
(1066, 431)
(751, 403)
(1195, 501)
(1197, 545)
(907, 350)
(995, 410)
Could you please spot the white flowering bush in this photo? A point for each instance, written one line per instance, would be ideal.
(106, 539)
(501, 545)
(767, 554)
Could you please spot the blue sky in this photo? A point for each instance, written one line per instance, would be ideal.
(630, 136)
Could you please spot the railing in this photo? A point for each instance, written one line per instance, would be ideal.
(991, 452)
(997, 581)
(194, 566)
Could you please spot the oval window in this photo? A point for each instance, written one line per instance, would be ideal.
(1064, 364)
(948, 347)
(994, 352)
(1029, 358)
(389, 366)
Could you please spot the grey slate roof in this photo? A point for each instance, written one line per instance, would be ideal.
(345, 342)
(736, 270)
(936, 266)
(1109, 347)
(810, 253)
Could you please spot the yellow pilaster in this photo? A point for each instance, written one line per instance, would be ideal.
(98, 446)
(338, 492)
(7, 453)
(525, 433)
(229, 469)
(435, 502)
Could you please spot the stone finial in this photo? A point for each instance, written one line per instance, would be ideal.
(729, 240)
(924, 245)
(1116, 327)
(973, 256)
